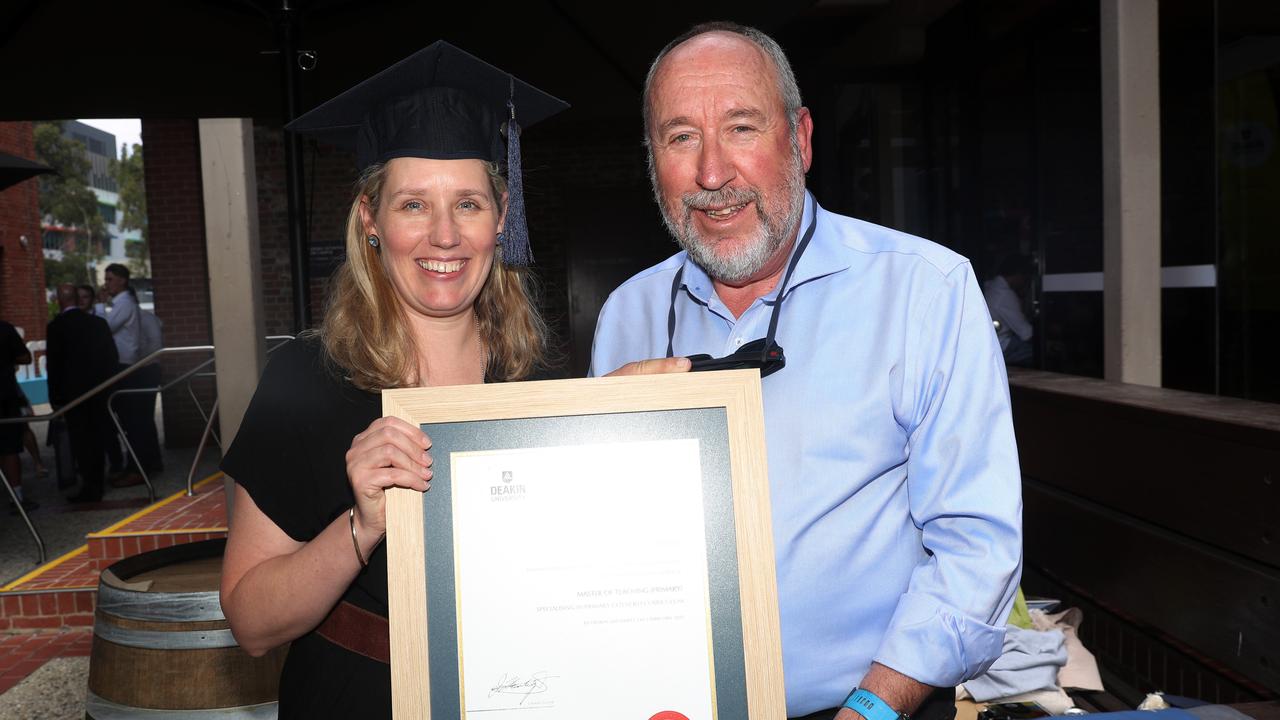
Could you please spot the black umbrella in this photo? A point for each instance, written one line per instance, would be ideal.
(14, 170)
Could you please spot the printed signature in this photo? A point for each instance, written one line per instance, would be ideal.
(510, 684)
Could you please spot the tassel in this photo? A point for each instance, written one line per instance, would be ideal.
(515, 249)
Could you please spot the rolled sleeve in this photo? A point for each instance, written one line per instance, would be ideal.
(965, 496)
(937, 644)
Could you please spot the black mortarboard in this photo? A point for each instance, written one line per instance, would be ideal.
(445, 104)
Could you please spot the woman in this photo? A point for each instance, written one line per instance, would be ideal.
(420, 300)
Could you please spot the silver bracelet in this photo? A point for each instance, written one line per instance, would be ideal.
(351, 518)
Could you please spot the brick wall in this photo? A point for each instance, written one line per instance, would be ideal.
(22, 295)
(179, 267)
(330, 176)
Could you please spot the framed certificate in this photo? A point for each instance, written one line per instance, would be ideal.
(589, 548)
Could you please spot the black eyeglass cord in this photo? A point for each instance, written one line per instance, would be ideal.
(777, 306)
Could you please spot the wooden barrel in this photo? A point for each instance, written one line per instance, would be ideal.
(160, 642)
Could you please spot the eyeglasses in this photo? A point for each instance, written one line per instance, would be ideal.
(764, 354)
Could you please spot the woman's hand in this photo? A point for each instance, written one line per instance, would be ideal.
(389, 453)
(653, 366)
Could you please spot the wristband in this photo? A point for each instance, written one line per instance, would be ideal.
(351, 518)
(870, 706)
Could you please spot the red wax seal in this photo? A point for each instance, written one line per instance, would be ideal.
(669, 715)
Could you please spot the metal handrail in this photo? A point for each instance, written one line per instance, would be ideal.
(161, 388)
(104, 385)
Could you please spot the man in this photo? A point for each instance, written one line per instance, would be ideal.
(893, 474)
(1004, 300)
(13, 352)
(85, 298)
(136, 411)
(81, 355)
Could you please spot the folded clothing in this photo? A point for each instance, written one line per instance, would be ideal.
(1081, 670)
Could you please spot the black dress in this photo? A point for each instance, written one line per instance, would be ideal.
(289, 454)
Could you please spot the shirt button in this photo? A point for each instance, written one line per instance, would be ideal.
(737, 342)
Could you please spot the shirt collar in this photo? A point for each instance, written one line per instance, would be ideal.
(822, 257)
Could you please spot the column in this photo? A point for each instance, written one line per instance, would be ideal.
(1130, 31)
(235, 293)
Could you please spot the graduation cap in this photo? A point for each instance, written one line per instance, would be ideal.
(445, 104)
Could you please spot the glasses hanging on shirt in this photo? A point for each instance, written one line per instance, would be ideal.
(763, 354)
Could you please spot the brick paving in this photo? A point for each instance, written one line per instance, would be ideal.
(48, 613)
(21, 655)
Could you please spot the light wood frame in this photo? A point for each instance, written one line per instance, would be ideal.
(737, 391)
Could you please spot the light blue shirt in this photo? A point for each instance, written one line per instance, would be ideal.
(126, 326)
(893, 473)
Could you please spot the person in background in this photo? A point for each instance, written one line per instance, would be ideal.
(13, 352)
(29, 437)
(1003, 294)
(85, 299)
(81, 355)
(893, 473)
(136, 411)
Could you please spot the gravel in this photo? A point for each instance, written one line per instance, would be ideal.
(56, 691)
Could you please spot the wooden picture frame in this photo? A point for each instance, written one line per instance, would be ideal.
(724, 409)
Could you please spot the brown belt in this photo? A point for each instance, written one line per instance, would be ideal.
(358, 630)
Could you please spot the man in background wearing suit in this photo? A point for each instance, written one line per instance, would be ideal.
(81, 354)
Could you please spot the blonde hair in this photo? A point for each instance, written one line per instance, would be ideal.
(366, 332)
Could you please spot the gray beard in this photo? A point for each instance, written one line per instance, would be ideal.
(774, 229)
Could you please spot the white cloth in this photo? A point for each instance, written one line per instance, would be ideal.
(126, 326)
(1006, 308)
(1081, 670)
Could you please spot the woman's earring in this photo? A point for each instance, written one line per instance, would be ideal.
(501, 237)
(373, 242)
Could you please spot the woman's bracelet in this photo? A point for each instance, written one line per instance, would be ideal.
(351, 518)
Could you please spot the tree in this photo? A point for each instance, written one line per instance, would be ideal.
(70, 269)
(65, 196)
(128, 173)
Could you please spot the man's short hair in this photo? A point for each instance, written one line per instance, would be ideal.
(118, 270)
(787, 86)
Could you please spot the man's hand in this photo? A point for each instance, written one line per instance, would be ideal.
(901, 692)
(653, 366)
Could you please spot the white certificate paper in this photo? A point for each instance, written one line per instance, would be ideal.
(582, 582)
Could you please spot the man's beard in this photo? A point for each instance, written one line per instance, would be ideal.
(775, 227)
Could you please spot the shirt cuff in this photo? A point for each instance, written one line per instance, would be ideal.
(936, 644)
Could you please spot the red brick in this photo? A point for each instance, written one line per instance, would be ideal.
(48, 604)
(78, 620)
(37, 622)
(21, 268)
(4, 623)
(128, 546)
(66, 603)
(147, 543)
(84, 602)
(26, 667)
(12, 605)
(30, 605)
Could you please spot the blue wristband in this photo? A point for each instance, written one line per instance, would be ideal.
(870, 706)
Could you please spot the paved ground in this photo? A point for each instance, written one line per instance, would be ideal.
(44, 675)
(63, 525)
